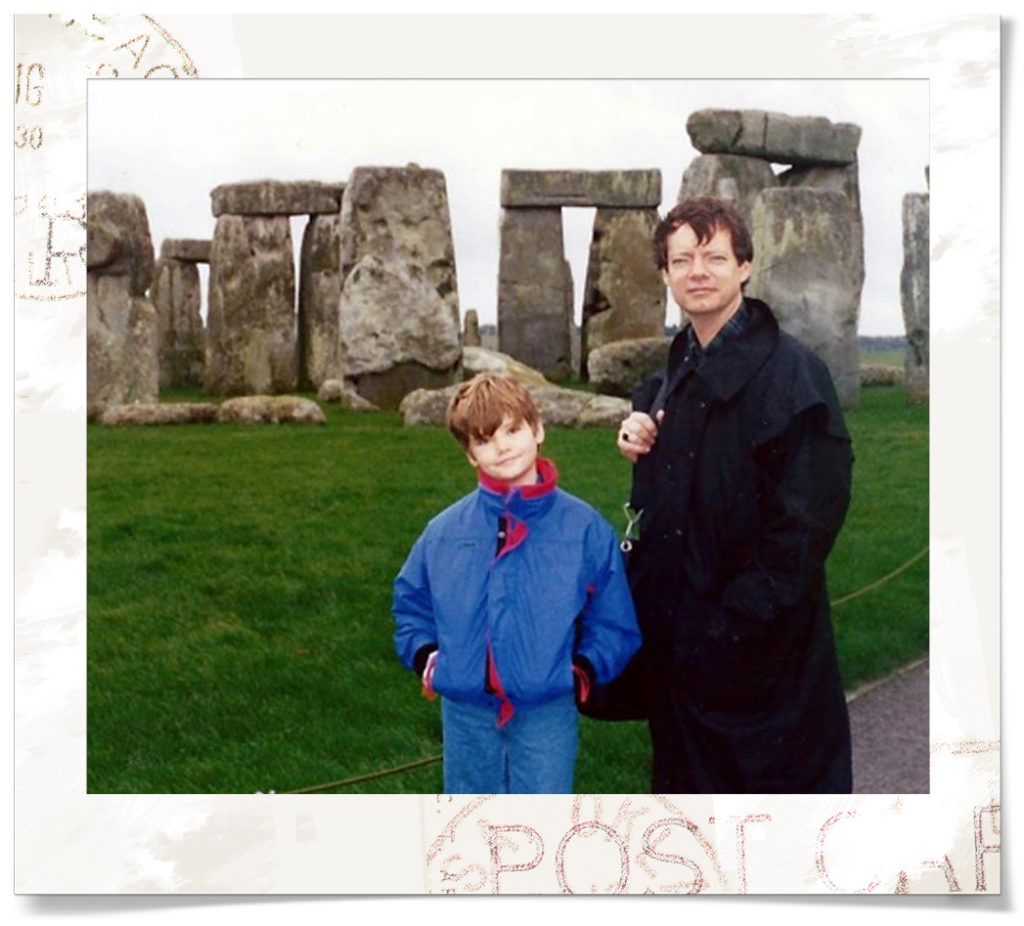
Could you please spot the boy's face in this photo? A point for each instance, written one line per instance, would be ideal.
(510, 454)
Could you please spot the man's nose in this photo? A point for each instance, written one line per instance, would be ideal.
(698, 267)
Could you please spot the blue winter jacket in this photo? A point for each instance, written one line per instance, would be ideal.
(557, 588)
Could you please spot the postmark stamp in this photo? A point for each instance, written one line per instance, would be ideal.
(54, 57)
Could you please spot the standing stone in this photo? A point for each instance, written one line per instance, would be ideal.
(396, 332)
(471, 329)
(777, 137)
(121, 341)
(914, 293)
(533, 325)
(400, 215)
(805, 269)
(625, 295)
(176, 297)
(734, 178)
(251, 345)
(319, 294)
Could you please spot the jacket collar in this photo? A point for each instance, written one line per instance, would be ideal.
(521, 501)
(726, 371)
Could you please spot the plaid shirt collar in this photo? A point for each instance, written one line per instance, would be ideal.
(731, 330)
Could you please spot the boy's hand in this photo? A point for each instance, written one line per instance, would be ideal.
(637, 434)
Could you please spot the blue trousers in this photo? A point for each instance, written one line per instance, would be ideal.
(534, 753)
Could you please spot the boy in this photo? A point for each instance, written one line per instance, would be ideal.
(513, 598)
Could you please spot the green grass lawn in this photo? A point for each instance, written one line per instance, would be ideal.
(883, 358)
(239, 590)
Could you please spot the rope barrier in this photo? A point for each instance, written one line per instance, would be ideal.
(430, 760)
(867, 588)
(419, 763)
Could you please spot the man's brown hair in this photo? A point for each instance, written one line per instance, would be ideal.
(705, 215)
(480, 405)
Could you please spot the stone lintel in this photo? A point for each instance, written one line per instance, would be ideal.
(630, 189)
(192, 250)
(775, 137)
(277, 197)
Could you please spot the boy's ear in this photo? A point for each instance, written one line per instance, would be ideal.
(538, 432)
(472, 461)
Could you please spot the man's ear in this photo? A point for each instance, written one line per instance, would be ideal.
(745, 269)
(664, 276)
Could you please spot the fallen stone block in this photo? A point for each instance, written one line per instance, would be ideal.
(481, 360)
(618, 368)
(337, 390)
(270, 409)
(560, 408)
(160, 413)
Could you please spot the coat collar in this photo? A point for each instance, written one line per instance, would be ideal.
(522, 501)
(726, 371)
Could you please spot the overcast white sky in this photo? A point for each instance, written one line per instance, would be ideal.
(171, 142)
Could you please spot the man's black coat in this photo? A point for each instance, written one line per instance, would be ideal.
(743, 495)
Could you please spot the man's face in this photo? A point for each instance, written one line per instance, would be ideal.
(704, 278)
(510, 453)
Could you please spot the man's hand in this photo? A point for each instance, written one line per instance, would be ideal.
(637, 434)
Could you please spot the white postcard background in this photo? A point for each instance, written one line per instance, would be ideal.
(947, 841)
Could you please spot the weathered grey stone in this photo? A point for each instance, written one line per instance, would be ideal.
(271, 409)
(142, 414)
(196, 250)
(617, 188)
(396, 333)
(560, 408)
(624, 295)
(806, 270)
(480, 360)
(337, 390)
(800, 140)
(471, 329)
(533, 324)
(251, 344)
(618, 368)
(121, 345)
(276, 197)
(914, 293)
(319, 294)
(732, 177)
(118, 239)
(181, 340)
(400, 215)
(843, 180)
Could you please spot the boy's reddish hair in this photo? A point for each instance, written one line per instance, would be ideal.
(480, 405)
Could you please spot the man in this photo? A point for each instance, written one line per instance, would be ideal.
(742, 472)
